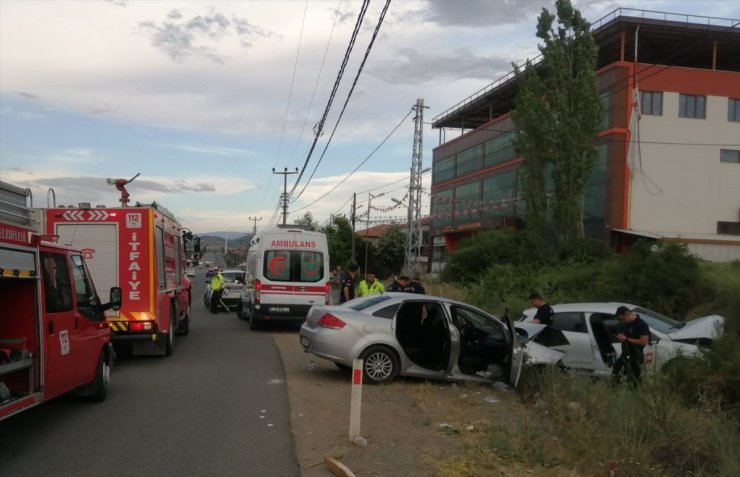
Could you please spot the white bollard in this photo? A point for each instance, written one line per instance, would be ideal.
(356, 400)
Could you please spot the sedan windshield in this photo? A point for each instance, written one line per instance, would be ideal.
(657, 321)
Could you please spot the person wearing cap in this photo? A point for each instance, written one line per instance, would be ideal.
(634, 336)
(217, 288)
(545, 313)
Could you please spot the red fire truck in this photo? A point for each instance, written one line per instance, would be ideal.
(53, 333)
(141, 250)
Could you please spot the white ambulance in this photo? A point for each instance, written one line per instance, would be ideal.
(287, 273)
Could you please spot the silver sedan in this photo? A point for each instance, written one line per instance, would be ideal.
(420, 335)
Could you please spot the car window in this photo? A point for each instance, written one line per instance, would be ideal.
(388, 311)
(660, 322)
(611, 325)
(57, 286)
(462, 316)
(361, 303)
(233, 277)
(571, 321)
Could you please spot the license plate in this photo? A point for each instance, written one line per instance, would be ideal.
(279, 309)
(304, 341)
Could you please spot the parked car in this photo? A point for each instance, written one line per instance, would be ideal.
(233, 282)
(586, 334)
(190, 272)
(421, 335)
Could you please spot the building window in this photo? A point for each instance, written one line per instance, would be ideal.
(467, 203)
(729, 155)
(728, 228)
(690, 106)
(444, 169)
(469, 160)
(442, 208)
(500, 149)
(605, 111)
(733, 109)
(651, 102)
(499, 194)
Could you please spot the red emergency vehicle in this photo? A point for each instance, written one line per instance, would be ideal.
(141, 250)
(53, 333)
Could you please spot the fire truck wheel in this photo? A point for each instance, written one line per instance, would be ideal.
(100, 383)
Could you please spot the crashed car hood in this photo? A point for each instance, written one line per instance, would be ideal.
(710, 327)
(532, 329)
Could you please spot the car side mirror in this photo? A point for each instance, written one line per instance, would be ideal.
(654, 339)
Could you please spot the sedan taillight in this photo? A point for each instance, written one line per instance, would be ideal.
(332, 322)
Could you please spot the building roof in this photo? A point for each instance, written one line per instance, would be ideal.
(717, 239)
(659, 35)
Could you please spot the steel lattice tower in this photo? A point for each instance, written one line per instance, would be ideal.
(413, 233)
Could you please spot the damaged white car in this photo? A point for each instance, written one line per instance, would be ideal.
(423, 336)
(586, 334)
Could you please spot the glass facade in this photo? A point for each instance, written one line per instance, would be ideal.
(469, 161)
(499, 194)
(467, 203)
(500, 149)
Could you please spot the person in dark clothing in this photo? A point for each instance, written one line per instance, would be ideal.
(634, 336)
(545, 313)
(347, 292)
(399, 284)
(415, 284)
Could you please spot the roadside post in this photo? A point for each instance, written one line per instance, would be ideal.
(356, 400)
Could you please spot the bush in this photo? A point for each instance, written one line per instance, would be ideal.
(476, 254)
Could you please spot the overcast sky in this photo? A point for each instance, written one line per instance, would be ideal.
(204, 99)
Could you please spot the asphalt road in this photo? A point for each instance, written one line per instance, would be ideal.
(217, 407)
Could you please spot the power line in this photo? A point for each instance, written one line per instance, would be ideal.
(320, 126)
(359, 165)
(318, 80)
(349, 95)
(290, 98)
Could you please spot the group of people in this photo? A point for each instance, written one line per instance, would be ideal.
(634, 335)
(348, 288)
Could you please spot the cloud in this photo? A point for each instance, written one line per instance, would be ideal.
(208, 149)
(476, 13)
(411, 66)
(181, 38)
(27, 95)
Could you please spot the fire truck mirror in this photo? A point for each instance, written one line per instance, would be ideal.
(196, 244)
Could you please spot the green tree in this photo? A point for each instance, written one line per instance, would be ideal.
(557, 114)
(307, 221)
(389, 252)
(339, 237)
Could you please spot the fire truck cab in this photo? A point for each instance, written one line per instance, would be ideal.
(53, 334)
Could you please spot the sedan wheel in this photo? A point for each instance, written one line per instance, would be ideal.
(380, 365)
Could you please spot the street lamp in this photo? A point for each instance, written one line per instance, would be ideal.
(370, 198)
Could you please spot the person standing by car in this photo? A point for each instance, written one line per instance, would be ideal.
(634, 336)
(347, 292)
(336, 283)
(217, 288)
(371, 286)
(415, 284)
(545, 313)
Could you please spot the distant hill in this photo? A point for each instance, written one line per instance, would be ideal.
(213, 240)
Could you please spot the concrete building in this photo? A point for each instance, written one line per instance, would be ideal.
(669, 172)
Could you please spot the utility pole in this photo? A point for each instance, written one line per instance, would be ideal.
(370, 198)
(255, 219)
(284, 195)
(413, 232)
(353, 217)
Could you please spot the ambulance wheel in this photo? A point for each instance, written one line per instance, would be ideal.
(254, 323)
(100, 383)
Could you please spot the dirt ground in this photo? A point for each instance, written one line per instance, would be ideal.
(412, 427)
